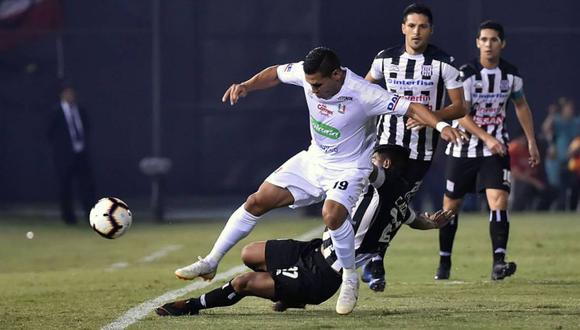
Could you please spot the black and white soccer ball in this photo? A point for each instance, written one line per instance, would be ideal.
(110, 217)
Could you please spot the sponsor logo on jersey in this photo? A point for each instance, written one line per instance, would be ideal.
(504, 85)
(394, 68)
(484, 121)
(323, 110)
(427, 71)
(324, 130)
(486, 112)
(328, 149)
(344, 98)
(341, 108)
(391, 106)
(410, 82)
(424, 99)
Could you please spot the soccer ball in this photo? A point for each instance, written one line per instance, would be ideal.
(110, 217)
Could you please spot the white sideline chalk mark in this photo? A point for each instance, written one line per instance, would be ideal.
(161, 253)
(140, 311)
(117, 265)
(152, 257)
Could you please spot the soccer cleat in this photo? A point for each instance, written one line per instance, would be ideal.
(348, 296)
(177, 308)
(282, 306)
(443, 272)
(366, 273)
(199, 268)
(374, 275)
(378, 284)
(502, 270)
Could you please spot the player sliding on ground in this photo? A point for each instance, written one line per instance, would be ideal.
(336, 166)
(294, 273)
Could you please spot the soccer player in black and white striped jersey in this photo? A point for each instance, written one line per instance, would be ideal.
(295, 273)
(483, 164)
(421, 73)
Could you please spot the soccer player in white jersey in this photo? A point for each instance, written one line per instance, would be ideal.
(483, 164)
(423, 73)
(336, 166)
(295, 273)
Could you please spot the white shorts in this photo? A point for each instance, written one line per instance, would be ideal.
(310, 182)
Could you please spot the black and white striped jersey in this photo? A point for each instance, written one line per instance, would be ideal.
(378, 215)
(488, 92)
(421, 79)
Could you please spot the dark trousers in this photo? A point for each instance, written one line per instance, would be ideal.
(76, 170)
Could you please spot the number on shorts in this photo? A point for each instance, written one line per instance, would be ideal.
(291, 272)
(342, 185)
(507, 176)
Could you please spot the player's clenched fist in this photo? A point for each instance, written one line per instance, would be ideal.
(234, 93)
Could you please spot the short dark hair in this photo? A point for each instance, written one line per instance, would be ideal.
(489, 24)
(397, 154)
(321, 59)
(415, 8)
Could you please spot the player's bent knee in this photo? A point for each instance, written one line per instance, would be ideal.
(334, 215)
(253, 255)
(255, 205)
(240, 282)
(247, 283)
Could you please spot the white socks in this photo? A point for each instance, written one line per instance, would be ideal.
(343, 243)
(239, 225)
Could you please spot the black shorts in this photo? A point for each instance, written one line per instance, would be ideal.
(465, 175)
(300, 273)
(414, 172)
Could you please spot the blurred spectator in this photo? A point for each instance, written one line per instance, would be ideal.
(562, 127)
(68, 135)
(574, 168)
(529, 191)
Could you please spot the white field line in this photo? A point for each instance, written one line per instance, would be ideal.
(140, 311)
(117, 265)
(161, 253)
(152, 257)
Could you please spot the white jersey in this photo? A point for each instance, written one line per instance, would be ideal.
(421, 78)
(488, 91)
(343, 127)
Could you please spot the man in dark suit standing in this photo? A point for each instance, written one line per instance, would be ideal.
(68, 134)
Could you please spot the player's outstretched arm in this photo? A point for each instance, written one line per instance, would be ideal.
(526, 120)
(455, 110)
(431, 220)
(421, 114)
(266, 78)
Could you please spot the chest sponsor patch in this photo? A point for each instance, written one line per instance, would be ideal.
(324, 130)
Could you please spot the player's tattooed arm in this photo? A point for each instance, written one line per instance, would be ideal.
(264, 79)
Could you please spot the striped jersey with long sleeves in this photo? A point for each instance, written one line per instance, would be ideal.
(487, 91)
(377, 216)
(422, 78)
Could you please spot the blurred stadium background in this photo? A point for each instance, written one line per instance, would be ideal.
(151, 74)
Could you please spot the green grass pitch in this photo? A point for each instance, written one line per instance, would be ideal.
(66, 278)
